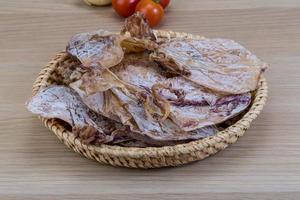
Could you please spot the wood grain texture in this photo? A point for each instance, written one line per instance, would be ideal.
(264, 164)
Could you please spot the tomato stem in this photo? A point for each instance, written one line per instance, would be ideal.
(156, 1)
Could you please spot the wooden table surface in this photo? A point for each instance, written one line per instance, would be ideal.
(264, 164)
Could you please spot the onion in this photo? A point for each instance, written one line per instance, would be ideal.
(97, 2)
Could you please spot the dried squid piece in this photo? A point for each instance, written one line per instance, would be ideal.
(190, 115)
(187, 104)
(138, 34)
(136, 26)
(158, 133)
(142, 73)
(221, 65)
(139, 72)
(106, 104)
(94, 83)
(63, 103)
(193, 107)
(71, 73)
(99, 49)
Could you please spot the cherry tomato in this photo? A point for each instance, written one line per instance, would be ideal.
(153, 11)
(124, 8)
(164, 3)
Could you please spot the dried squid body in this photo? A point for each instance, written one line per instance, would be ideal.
(221, 65)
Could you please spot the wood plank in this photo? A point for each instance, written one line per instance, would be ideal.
(264, 164)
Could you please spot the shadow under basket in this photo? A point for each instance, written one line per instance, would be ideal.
(153, 157)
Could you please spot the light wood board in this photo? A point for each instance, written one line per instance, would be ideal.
(264, 164)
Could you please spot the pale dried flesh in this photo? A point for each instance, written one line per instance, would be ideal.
(135, 90)
(221, 65)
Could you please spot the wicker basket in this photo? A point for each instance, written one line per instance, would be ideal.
(153, 157)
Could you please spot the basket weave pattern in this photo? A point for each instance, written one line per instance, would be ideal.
(153, 157)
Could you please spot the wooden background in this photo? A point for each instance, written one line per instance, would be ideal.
(264, 164)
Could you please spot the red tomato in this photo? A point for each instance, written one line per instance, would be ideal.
(153, 11)
(164, 3)
(124, 8)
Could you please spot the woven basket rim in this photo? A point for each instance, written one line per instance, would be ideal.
(236, 129)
